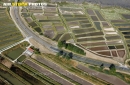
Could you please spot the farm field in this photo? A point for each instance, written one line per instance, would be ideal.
(46, 21)
(47, 73)
(67, 75)
(87, 25)
(10, 78)
(14, 52)
(22, 58)
(9, 34)
(26, 74)
(71, 66)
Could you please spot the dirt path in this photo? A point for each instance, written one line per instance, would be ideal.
(42, 48)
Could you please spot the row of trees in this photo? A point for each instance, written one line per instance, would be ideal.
(36, 50)
(112, 67)
(71, 47)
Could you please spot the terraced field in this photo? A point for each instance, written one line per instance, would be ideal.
(9, 34)
(45, 21)
(103, 31)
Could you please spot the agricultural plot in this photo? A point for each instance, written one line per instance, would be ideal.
(50, 23)
(38, 29)
(9, 77)
(36, 11)
(66, 37)
(14, 52)
(90, 12)
(29, 19)
(22, 58)
(25, 15)
(33, 24)
(126, 16)
(9, 34)
(89, 25)
(47, 73)
(60, 70)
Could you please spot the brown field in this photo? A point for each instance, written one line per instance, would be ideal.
(89, 34)
(40, 17)
(86, 25)
(84, 22)
(57, 37)
(47, 26)
(94, 18)
(53, 18)
(90, 39)
(29, 19)
(57, 23)
(112, 79)
(90, 12)
(99, 48)
(47, 73)
(62, 71)
(112, 37)
(66, 37)
(118, 21)
(105, 53)
(60, 28)
(94, 44)
(114, 53)
(49, 33)
(113, 43)
(50, 14)
(50, 9)
(73, 23)
(105, 24)
(121, 53)
(36, 11)
(84, 30)
(99, 16)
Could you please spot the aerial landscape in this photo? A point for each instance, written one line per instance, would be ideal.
(64, 42)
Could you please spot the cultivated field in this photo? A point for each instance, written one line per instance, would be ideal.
(14, 52)
(89, 26)
(9, 34)
(47, 73)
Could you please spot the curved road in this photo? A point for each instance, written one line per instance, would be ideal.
(24, 28)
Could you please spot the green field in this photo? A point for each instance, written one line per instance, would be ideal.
(15, 53)
(21, 58)
(9, 34)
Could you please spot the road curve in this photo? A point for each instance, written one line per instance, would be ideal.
(27, 31)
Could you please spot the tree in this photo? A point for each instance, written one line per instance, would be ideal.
(112, 68)
(59, 53)
(102, 66)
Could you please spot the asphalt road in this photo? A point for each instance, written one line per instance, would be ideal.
(93, 61)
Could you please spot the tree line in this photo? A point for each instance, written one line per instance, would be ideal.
(71, 47)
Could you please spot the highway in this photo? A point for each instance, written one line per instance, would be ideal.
(15, 16)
